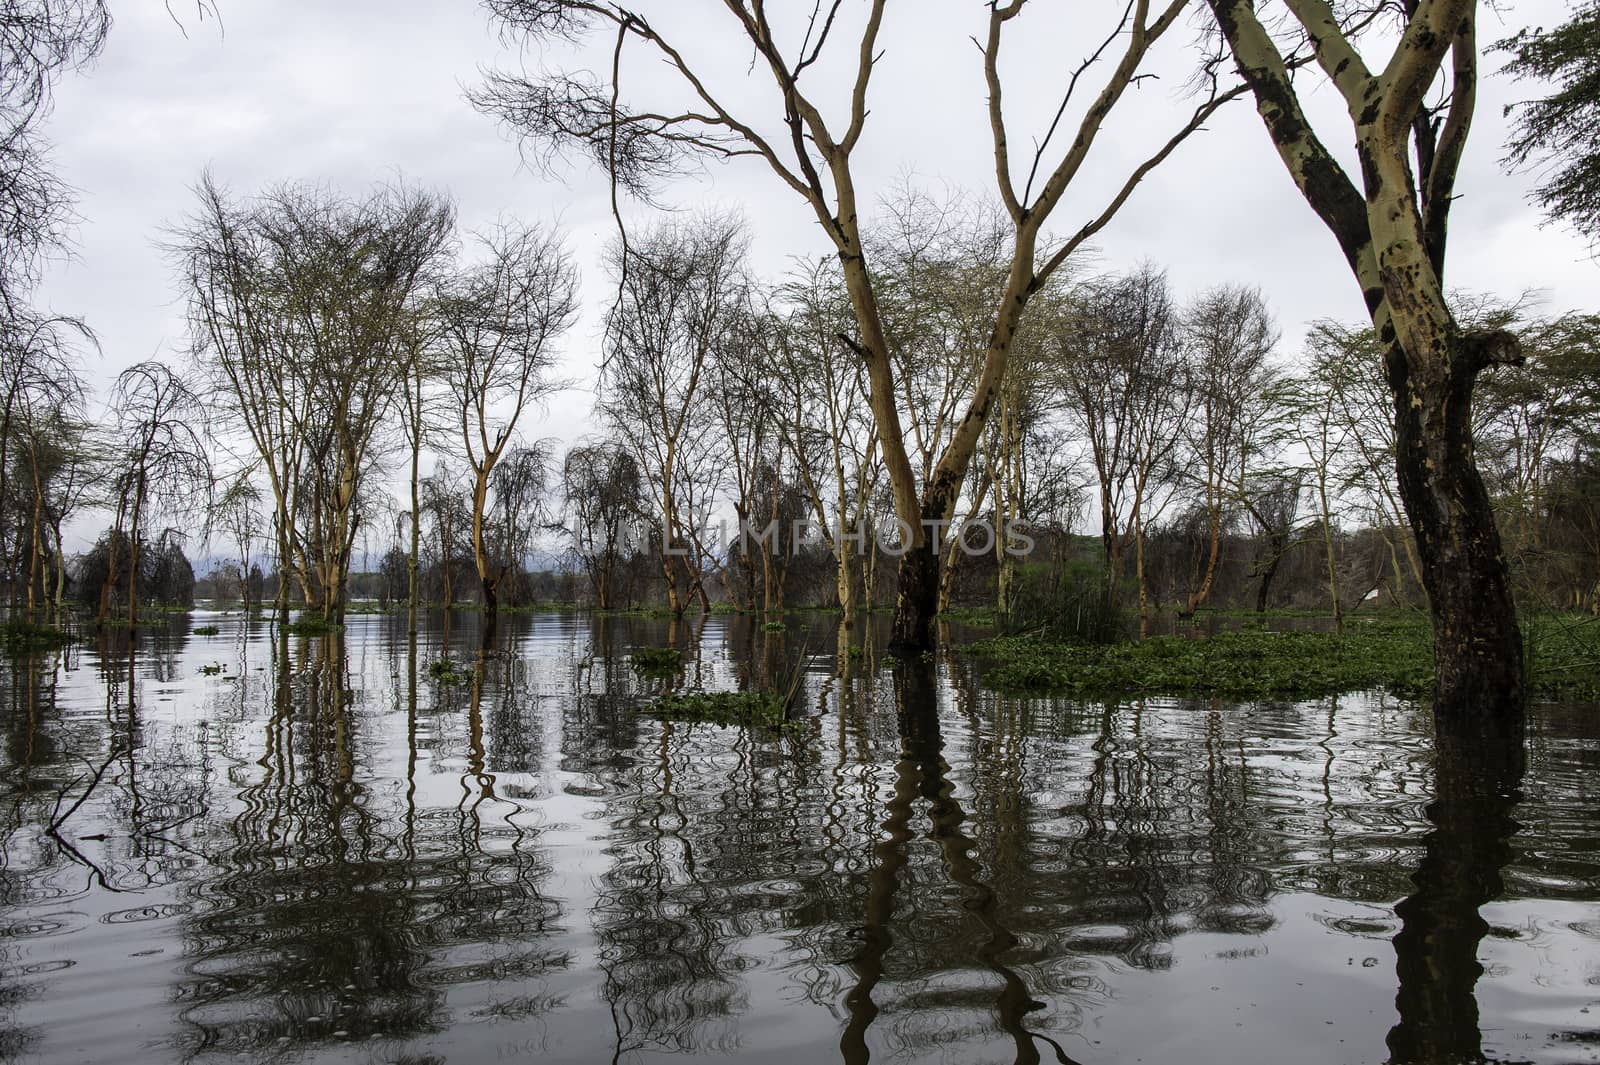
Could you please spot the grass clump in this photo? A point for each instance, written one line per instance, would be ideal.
(204, 630)
(774, 626)
(656, 660)
(312, 625)
(22, 636)
(447, 672)
(761, 709)
(1395, 657)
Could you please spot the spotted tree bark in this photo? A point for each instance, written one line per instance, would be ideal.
(1393, 233)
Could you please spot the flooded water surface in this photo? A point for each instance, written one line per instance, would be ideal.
(339, 850)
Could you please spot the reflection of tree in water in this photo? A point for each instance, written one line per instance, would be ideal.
(329, 918)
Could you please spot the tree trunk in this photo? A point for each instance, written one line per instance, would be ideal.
(917, 599)
(1478, 664)
(1277, 544)
(413, 561)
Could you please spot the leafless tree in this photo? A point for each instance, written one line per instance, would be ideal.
(499, 320)
(162, 464)
(812, 152)
(1228, 338)
(683, 287)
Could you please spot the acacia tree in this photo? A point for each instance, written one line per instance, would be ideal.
(161, 461)
(812, 153)
(302, 306)
(1561, 131)
(605, 498)
(817, 389)
(39, 40)
(1392, 231)
(682, 288)
(38, 375)
(498, 323)
(1121, 377)
(1228, 336)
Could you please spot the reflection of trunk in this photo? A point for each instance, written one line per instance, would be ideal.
(921, 771)
(1477, 785)
(1478, 664)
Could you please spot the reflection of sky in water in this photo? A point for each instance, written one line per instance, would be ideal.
(300, 864)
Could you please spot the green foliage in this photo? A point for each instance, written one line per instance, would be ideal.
(1394, 656)
(1392, 653)
(774, 626)
(1563, 656)
(754, 708)
(312, 625)
(1561, 130)
(19, 637)
(447, 672)
(211, 669)
(204, 630)
(656, 660)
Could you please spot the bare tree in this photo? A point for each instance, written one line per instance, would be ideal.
(162, 464)
(682, 288)
(1121, 374)
(812, 154)
(605, 499)
(302, 306)
(499, 320)
(1228, 337)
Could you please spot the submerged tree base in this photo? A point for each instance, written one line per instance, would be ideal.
(759, 709)
(1393, 655)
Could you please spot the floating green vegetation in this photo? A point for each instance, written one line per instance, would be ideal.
(1245, 664)
(1564, 656)
(1387, 653)
(22, 636)
(855, 652)
(774, 626)
(204, 630)
(447, 672)
(656, 660)
(211, 669)
(755, 708)
(312, 625)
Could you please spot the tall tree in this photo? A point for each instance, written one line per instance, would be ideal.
(683, 287)
(163, 464)
(1228, 337)
(1392, 232)
(812, 153)
(499, 320)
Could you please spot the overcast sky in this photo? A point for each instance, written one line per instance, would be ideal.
(355, 91)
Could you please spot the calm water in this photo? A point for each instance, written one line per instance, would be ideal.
(214, 852)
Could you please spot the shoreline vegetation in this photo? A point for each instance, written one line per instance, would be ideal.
(1390, 653)
(1385, 651)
